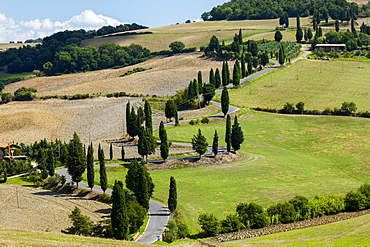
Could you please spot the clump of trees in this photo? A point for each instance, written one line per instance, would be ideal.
(254, 216)
(347, 109)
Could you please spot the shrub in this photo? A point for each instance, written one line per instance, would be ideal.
(210, 224)
(327, 111)
(284, 212)
(252, 215)
(205, 120)
(232, 223)
(354, 201)
(288, 108)
(171, 231)
(365, 190)
(192, 122)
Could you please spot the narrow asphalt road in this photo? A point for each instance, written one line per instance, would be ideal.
(158, 213)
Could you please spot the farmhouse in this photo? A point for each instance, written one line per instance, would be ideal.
(10, 150)
(331, 47)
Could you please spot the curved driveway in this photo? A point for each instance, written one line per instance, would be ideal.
(158, 213)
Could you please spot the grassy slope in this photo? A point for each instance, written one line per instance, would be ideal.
(22, 238)
(320, 84)
(199, 33)
(353, 232)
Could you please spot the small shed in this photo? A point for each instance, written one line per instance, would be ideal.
(331, 47)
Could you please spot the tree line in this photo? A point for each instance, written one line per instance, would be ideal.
(254, 216)
(61, 48)
(271, 9)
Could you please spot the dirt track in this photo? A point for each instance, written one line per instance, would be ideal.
(40, 210)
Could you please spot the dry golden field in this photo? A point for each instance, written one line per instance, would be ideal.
(194, 34)
(31, 209)
(164, 77)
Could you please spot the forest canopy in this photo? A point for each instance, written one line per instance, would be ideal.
(270, 9)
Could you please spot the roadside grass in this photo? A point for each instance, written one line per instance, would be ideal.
(319, 84)
(19, 181)
(23, 238)
(352, 232)
(297, 155)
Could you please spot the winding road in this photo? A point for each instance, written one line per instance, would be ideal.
(158, 213)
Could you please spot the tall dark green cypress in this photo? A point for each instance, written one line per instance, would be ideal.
(224, 75)
(281, 55)
(217, 78)
(119, 218)
(337, 26)
(140, 116)
(240, 37)
(237, 137)
(299, 32)
(90, 166)
(236, 73)
(172, 195)
(200, 81)
(128, 115)
(165, 149)
(215, 144)
(110, 151)
(146, 144)
(243, 68)
(102, 171)
(50, 162)
(76, 159)
(148, 117)
(212, 79)
(162, 132)
(228, 133)
(142, 193)
(225, 101)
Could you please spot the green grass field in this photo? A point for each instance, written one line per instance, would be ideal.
(305, 155)
(319, 84)
(353, 232)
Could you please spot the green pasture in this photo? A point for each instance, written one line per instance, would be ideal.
(353, 232)
(319, 84)
(8, 75)
(284, 156)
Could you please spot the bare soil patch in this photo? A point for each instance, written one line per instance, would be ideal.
(32, 209)
(164, 77)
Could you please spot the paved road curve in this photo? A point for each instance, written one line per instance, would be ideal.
(158, 213)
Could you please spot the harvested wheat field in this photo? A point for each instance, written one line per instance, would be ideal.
(38, 210)
(164, 77)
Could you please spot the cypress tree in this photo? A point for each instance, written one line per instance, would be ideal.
(164, 150)
(76, 159)
(250, 67)
(119, 218)
(309, 34)
(146, 144)
(132, 176)
(176, 118)
(142, 193)
(102, 171)
(299, 32)
(353, 29)
(128, 115)
(90, 166)
(215, 143)
(236, 73)
(148, 117)
(243, 68)
(225, 101)
(110, 151)
(228, 133)
(224, 75)
(170, 110)
(227, 73)
(281, 55)
(237, 137)
(140, 116)
(50, 162)
(162, 132)
(195, 86)
(133, 123)
(240, 37)
(319, 33)
(172, 195)
(212, 79)
(122, 153)
(200, 81)
(199, 143)
(337, 26)
(217, 78)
